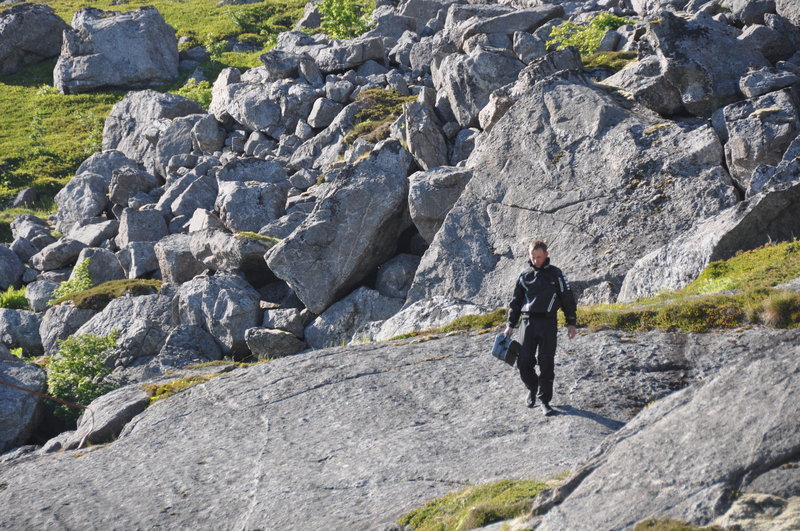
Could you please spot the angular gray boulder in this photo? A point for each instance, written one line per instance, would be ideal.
(423, 135)
(20, 329)
(39, 293)
(58, 255)
(29, 33)
(140, 226)
(175, 259)
(84, 196)
(19, 411)
(265, 343)
(109, 49)
(103, 265)
(94, 234)
(138, 259)
(395, 276)
(432, 194)
(11, 268)
(60, 322)
(248, 206)
(352, 230)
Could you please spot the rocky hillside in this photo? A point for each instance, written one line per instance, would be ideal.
(349, 191)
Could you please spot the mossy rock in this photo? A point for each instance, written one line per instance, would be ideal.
(98, 297)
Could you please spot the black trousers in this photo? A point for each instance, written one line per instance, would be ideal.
(538, 345)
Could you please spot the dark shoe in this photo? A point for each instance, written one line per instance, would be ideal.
(546, 409)
(530, 400)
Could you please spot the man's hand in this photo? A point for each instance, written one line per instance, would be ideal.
(571, 332)
(509, 331)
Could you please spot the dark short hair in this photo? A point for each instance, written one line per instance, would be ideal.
(537, 244)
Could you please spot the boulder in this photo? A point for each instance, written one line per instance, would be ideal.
(759, 131)
(468, 80)
(463, 145)
(244, 169)
(39, 293)
(175, 139)
(395, 276)
(140, 226)
(33, 229)
(186, 345)
(324, 148)
(338, 324)
(288, 320)
(219, 250)
(198, 194)
(768, 216)
(347, 55)
(280, 65)
(681, 458)
(424, 136)
(109, 49)
(770, 43)
(20, 329)
(352, 230)
(29, 33)
(432, 194)
(207, 135)
(129, 124)
(653, 7)
(94, 234)
(19, 410)
(765, 81)
(270, 344)
(560, 185)
(282, 227)
(105, 163)
(527, 20)
(224, 305)
(60, 322)
(747, 12)
(248, 206)
(323, 112)
(789, 10)
(84, 196)
(339, 91)
(421, 315)
(24, 250)
(175, 259)
(138, 259)
(58, 255)
(11, 268)
(103, 265)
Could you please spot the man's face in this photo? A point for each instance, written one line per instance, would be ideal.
(538, 256)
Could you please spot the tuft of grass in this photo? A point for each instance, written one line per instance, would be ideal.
(613, 60)
(14, 299)
(160, 391)
(381, 107)
(462, 324)
(99, 296)
(654, 524)
(475, 506)
(269, 241)
(779, 309)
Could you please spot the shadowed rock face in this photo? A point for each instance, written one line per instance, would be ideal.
(354, 437)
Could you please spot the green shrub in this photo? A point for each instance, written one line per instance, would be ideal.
(98, 297)
(586, 37)
(265, 20)
(14, 299)
(197, 91)
(81, 281)
(475, 506)
(345, 19)
(76, 373)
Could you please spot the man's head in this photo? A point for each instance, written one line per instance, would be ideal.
(537, 252)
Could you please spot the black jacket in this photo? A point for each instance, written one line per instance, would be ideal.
(541, 292)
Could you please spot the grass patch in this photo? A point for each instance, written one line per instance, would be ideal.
(462, 324)
(381, 107)
(269, 241)
(160, 391)
(613, 60)
(475, 506)
(99, 296)
(670, 525)
(14, 299)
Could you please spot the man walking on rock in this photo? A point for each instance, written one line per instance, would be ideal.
(540, 291)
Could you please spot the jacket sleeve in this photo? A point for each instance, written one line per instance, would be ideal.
(515, 307)
(568, 304)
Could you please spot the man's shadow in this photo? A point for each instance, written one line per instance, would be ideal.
(575, 412)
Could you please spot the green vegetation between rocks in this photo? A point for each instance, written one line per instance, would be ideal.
(475, 506)
(13, 299)
(345, 19)
(587, 36)
(269, 241)
(46, 207)
(98, 297)
(381, 108)
(81, 281)
(611, 60)
(77, 372)
(670, 525)
(462, 324)
(166, 390)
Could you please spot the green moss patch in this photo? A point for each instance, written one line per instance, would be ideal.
(268, 241)
(166, 390)
(99, 296)
(613, 60)
(381, 108)
(475, 506)
(462, 324)
(670, 525)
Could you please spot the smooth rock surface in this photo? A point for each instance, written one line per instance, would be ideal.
(19, 410)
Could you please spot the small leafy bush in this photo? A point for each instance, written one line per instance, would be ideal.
(197, 91)
(345, 19)
(586, 37)
(14, 299)
(76, 373)
(81, 281)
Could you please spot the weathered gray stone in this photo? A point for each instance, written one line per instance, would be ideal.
(19, 411)
(24, 250)
(224, 305)
(424, 137)
(93, 234)
(138, 259)
(103, 265)
(127, 182)
(339, 323)
(84, 196)
(20, 329)
(349, 54)
(644, 81)
(29, 33)
(282, 227)
(186, 345)
(789, 10)
(421, 315)
(251, 169)
(652, 7)
(201, 193)
(759, 131)
(33, 229)
(174, 139)
(527, 20)
(218, 250)
(248, 206)
(288, 320)
(203, 219)
(747, 12)
(395, 276)
(265, 343)
(175, 259)
(57, 255)
(339, 91)
(324, 148)
(104, 163)
(766, 80)
(768, 42)
(141, 226)
(768, 216)
(11, 268)
(60, 322)
(323, 112)
(108, 49)
(552, 186)
(432, 194)
(352, 230)
(280, 64)
(207, 135)
(38, 293)
(128, 127)
(463, 145)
